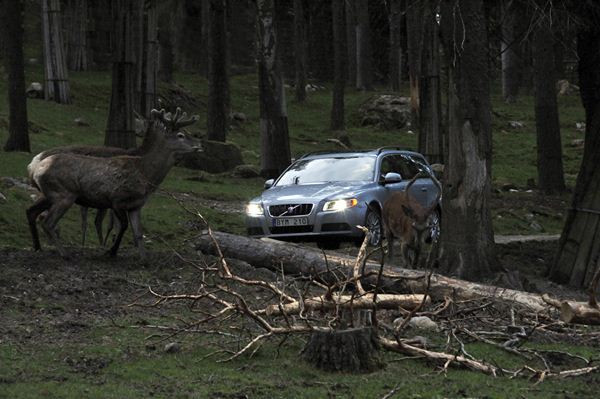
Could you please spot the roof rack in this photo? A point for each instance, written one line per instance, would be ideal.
(391, 147)
(330, 152)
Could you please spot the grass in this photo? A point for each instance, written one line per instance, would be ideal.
(113, 364)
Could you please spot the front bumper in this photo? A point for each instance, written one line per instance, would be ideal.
(320, 224)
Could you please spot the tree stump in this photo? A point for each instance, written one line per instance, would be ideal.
(351, 350)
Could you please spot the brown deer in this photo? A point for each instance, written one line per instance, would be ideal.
(405, 218)
(122, 183)
(173, 122)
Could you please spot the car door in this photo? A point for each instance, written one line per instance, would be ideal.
(425, 189)
(397, 163)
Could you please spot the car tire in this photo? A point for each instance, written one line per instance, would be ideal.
(434, 232)
(374, 223)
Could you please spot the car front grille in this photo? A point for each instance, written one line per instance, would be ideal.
(291, 229)
(290, 209)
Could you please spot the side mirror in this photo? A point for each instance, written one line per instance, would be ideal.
(392, 177)
(269, 183)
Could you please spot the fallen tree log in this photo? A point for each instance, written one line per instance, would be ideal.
(365, 302)
(299, 260)
(579, 313)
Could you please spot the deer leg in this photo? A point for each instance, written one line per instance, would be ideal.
(98, 223)
(122, 217)
(390, 244)
(135, 216)
(41, 205)
(111, 225)
(55, 213)
(406, 254)
(84, 211)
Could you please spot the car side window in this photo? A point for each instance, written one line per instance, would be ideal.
(398, 164)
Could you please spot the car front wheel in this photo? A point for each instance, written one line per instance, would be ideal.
(374, 224)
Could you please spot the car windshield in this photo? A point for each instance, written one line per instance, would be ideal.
(307, 171)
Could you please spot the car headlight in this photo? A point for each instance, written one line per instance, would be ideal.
(339, 205)
(254, 209)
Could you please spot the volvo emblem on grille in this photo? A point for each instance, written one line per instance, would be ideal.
(290, 210)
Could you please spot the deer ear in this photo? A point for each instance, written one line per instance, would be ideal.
(407, 211)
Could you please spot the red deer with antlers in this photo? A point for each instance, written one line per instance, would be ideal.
(122, 183)
(405, 218)
(173, 121)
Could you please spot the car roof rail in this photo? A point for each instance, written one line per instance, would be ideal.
(331, 152)
(391, 147)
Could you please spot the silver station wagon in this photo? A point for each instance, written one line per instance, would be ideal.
(323, 196)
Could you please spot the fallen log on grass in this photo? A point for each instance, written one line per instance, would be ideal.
(299, 260)
(575, 312)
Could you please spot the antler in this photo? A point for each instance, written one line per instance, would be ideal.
(174, 121)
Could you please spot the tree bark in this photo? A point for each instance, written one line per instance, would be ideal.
(165, 45)
(339, 52)
(120, 129)
(12, 21)
(510, 48)
(217, 118)
(300, 50)
(430, 104)
(467, 246)
(55, 64)
(549, 149)
(274, 135)
(351, 41)
(579, 246)
(76, 32)
(397, 8)
(298, 260)
(147, 56)
(363, 46)
(414, 33)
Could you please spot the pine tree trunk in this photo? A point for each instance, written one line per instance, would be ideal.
(205, 40)
(165, 46)
(76, 34)
(274, 135)
(510, 48)
(414, 34)
(363, 46)
(579, 246)
(549, 149)
(300, 50)
(430, 104)
(56, 76)
(351, 41)
(101, 33)
(218, 81)
(466, 247)
(147, 56)
(120, 130)
(190, 30)
(11, 13)
(395, 19)
(339, 55)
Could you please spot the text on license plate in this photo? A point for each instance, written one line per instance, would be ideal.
(290, 222)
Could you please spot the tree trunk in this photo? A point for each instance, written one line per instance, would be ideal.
(147, 56)
(300, 50)
(12, 21)
(76, 32)
(579, 246)
(352, 350)
(120, 129)
(549, 149)
(55, 64)
(430, 104)
(218, 82)
(339, 53)
(510, 48)
(397, 8)
(414, 34)
(274, 135)
(310, 262)
(467, 245)
(165, 46)
(351, 41)
(363, 46)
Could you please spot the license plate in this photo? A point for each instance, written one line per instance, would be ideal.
(284, 222)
